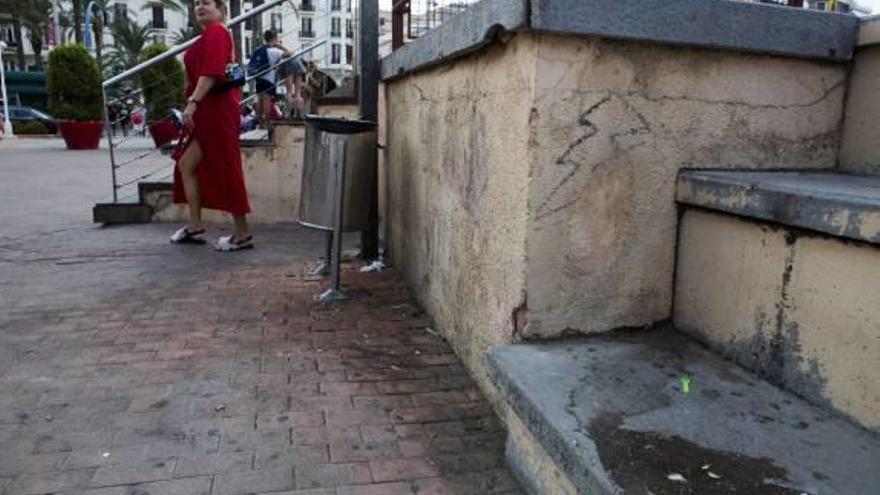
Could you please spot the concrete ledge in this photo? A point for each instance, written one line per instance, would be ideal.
(869, 31)
(724, 24)
(611, 413)
(721, 24)
(840, 205)
(461, 34)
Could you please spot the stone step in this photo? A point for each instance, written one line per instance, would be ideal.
(835, 204)
(780, 272)
(610, 413)
(116, 213)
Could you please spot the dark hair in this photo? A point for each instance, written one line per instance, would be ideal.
(269, 36)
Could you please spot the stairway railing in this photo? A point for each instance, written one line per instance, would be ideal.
(138, 165)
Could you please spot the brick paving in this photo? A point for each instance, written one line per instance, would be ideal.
(130, 366)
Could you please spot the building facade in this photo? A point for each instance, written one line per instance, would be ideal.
(307, 24)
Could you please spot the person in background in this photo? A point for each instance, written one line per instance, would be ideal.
(264, 60)
(293, 73)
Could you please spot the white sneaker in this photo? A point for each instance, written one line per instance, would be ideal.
(228, 243)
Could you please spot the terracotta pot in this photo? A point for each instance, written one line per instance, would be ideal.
(164, 132)
(81, 135)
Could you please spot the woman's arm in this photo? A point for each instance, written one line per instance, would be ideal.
(203, 87)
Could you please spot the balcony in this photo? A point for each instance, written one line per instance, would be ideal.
(307, 34)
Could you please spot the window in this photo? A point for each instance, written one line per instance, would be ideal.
(349, 32)
(306, 28)
(308, 6)
(335, 4)
(334, 54)
(348, 7)
(247, 44)
(276, 23)
(120, 11)
(349, 54)
(336, 27)
(158, 17)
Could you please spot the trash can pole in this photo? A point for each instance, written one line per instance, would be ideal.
(324, 267)
(340, 205)
(334, 293)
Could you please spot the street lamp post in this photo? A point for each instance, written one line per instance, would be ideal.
(7, 124)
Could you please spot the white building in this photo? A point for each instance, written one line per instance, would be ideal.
(312, 22)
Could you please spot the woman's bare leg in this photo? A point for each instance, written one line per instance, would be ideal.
(188, 165)
(241, 227)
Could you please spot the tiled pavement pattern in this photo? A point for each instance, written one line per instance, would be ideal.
(130, 366)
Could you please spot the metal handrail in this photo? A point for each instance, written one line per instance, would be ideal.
(183, 46)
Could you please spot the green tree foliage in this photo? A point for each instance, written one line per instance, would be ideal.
(130, 40)
(162, 83)
(73, 80)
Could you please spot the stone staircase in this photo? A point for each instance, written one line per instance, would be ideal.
(272, 163)
(764, 381)
(771, 275)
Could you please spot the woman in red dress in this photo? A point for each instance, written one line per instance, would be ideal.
(208, 172)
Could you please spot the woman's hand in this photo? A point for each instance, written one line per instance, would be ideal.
(188, 112)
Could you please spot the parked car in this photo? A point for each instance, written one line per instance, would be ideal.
(24, 115)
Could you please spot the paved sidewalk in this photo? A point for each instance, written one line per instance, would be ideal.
(131, 366)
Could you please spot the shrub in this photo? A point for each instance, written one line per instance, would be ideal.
(26, 128)
(73, 80)
(162, 83)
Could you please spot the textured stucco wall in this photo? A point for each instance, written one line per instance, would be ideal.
(612, 124)
(457, 176)
(531, 185)
(273, 175)
(860, 150)
(799, 309)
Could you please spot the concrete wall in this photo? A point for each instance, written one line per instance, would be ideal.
(860, 151)
(530, 185)
(273, 175)
(799, 309)
(612, 123)
(457, 157)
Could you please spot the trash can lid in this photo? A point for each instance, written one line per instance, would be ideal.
(336, 125)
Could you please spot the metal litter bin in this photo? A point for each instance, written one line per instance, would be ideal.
(356, 142)
(339, 171)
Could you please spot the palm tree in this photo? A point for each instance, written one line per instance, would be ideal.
(36, 18)
(130, 40)
(103, 7)
(183, 35)
(78, 20)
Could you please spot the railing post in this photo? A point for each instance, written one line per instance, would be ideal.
(108, 129)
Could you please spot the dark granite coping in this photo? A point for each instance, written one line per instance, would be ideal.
(835, 204)
(715, 24)
(611, 413)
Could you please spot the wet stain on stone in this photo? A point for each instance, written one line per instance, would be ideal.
(640, 463)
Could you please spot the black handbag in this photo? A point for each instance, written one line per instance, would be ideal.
(235, 78)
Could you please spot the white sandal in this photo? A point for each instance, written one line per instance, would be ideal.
(228, 243)
(186, 236)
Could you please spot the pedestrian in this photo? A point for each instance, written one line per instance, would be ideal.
(264, 61)
(209, 172)
(293, 73)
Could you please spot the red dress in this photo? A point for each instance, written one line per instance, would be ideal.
(217, 117)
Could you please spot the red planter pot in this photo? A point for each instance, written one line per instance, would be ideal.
(81, 135)
(163, 132)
